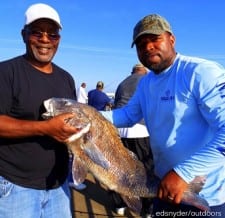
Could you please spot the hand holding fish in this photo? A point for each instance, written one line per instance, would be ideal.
(59, 129)
(172, 187)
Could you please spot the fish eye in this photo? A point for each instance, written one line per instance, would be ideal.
(79, 115)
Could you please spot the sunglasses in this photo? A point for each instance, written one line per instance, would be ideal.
(39, 34)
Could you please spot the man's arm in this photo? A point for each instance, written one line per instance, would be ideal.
(54, 127)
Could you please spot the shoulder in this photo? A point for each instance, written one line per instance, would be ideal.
(91, 91)
(12, 62)
(11, 67)
(197, 68)
(60, 71)
(199, 74)
(196, 63)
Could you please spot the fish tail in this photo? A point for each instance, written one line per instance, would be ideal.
(192, 197)
(134, 203)
(195, 200)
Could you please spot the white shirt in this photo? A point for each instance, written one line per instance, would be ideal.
(82, 95)
(136, 131)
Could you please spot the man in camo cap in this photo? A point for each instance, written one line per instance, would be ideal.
(182, 102)
(152, 24)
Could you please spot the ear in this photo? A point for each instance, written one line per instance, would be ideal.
(172, 40)
(24, 35)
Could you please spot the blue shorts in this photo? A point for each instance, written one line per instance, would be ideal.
(19, 202)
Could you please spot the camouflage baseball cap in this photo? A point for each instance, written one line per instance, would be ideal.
(151, 24)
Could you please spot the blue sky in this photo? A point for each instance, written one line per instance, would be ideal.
(97, 34)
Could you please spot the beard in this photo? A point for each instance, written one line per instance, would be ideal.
(158, 65)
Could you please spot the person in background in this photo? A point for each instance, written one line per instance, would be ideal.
(98, 99)
(135, 138)
(33, 156)
(183, 105)
(81, 94)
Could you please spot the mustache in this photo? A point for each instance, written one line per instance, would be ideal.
(151, 54)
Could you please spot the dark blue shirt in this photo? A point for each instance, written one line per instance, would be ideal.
(98, 99)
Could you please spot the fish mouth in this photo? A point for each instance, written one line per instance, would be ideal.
(49, 109)
(54, 107)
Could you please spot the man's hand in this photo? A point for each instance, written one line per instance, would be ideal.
(172, 187)
(59, 129)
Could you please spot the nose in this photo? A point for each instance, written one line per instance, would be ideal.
(149, 46)
(44, 36)
(146, 46)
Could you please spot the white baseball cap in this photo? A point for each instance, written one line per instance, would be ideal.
(38, 11)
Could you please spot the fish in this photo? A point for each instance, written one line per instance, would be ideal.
(98, 149)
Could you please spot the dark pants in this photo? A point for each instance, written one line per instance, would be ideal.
(141, 147)
(165, 209)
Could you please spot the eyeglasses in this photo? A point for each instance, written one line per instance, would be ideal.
(39, 34)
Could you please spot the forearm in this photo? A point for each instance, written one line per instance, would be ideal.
(15, 128)
(55, 127)
(119, 117)
(115, 117)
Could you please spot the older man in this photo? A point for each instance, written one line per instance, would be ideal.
(33, 158)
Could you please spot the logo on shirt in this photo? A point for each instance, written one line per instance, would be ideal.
(221, 150)
(167, 96)
(221, 87)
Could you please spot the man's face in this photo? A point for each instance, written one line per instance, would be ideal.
(42, 39)
(156, 52)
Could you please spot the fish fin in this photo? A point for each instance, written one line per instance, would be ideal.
(134, 203)
(97, 158)
(94, 153)
(197, 184)
(79, 171)
(191, 196)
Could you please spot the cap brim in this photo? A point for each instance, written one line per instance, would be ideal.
(155, 32)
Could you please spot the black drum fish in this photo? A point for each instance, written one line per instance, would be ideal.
(97, 149)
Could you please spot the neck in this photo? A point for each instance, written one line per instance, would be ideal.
(41, 66)
(164, 65)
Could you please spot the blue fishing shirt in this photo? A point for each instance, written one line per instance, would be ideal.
(184, 110)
